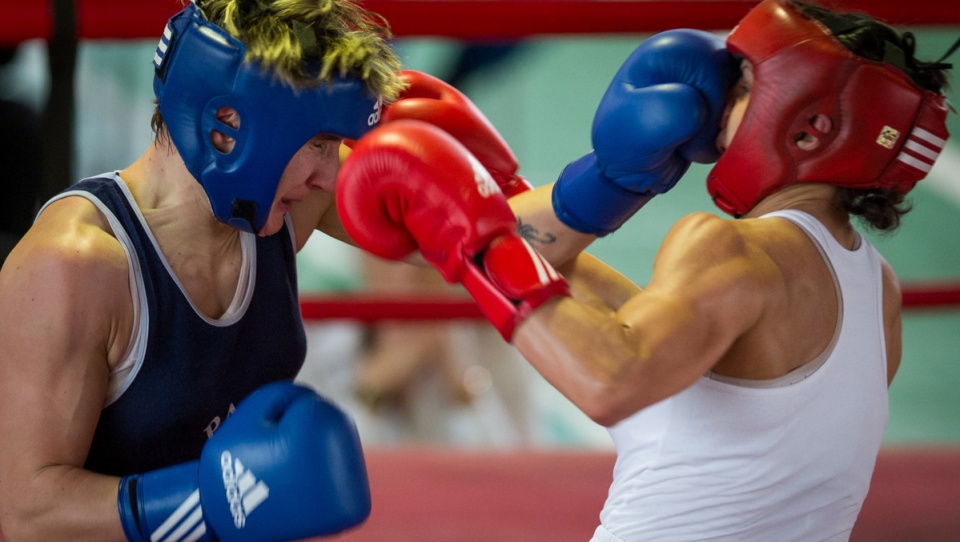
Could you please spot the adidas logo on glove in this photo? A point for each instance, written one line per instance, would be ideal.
(244, 492)
(486, 186)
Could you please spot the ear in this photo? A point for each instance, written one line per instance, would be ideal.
(222, 142)
(819, 124)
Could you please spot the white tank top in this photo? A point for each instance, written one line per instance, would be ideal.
(784, 460)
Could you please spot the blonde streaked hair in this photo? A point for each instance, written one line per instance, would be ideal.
(281, 34)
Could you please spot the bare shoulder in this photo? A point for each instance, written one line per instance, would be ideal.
(73, 233)
(702, 240)
(717, 263)
(68, 274)
(704, 229)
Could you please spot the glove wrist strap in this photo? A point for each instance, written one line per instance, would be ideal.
(587, 201)
(510, 280)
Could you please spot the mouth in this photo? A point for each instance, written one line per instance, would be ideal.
(721, 145)
(286, 204)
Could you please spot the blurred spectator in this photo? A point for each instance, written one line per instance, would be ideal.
(20, 164)
(438, 381)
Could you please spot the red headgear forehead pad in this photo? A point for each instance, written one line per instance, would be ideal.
(872, 126)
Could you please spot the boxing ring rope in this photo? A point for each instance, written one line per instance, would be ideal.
(466, 19)
(369, 308)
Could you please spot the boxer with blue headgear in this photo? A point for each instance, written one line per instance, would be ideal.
(201, 68)
(153, 342)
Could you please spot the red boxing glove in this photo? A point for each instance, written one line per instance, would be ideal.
(410, 185)
(431, 100)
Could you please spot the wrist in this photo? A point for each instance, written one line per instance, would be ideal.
(163, 505)
(509, 280)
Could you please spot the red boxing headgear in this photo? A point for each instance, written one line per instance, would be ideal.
(875, 128)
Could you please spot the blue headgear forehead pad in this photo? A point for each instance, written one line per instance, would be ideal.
(199, 68)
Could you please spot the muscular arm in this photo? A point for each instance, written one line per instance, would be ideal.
(58, 299)
(614, 358)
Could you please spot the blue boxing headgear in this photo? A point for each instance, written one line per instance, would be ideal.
(199, 69)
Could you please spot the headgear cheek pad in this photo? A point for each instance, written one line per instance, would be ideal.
(200, 68)
(873, 126)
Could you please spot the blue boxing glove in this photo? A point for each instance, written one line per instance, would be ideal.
(286, 465)
(661, 112)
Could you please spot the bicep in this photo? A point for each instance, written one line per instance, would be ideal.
(52, 387)
(595, 283)
(680, 335)
(53, 379)
(59, 312)
(54, 364)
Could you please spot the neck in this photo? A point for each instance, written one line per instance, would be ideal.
(169, 196)
(821, 201)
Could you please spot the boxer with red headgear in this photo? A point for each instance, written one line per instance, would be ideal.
(820, 113)
(148, 304)
(745, 387)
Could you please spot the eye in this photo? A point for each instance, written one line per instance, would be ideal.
(325, 145)
(325, 139)
(742, 90)
(744, 85)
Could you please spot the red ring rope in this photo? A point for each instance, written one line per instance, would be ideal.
(931, 294)
(368, 308)
(21, 20)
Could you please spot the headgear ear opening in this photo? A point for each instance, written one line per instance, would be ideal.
(886, 131)
(199, 68)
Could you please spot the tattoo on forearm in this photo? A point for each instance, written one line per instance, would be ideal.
(533, 235)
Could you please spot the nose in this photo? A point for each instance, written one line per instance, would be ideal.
(325, 178)
(721, 141)
(725, 117)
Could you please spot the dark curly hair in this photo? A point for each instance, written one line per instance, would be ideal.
(880, 209)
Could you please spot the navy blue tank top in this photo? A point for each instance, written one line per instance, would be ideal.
(194, 369)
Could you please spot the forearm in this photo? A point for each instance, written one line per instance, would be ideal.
(63, 503)
(612, 364)
(581, 351)
(595, 283)
(539, 225)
